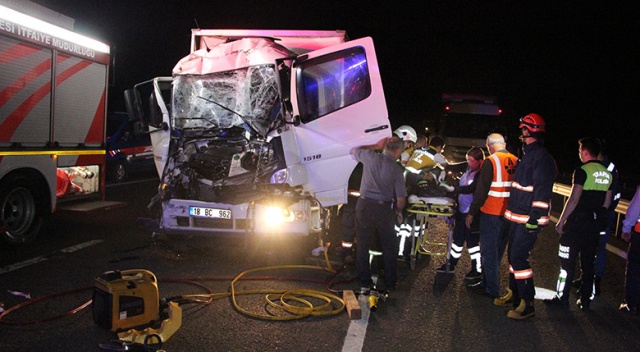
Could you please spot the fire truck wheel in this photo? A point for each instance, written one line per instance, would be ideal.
(20, 217)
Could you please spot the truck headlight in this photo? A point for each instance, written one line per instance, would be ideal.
(279, 177)
(273, 216)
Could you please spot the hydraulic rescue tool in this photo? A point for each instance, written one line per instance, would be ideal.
(125, 299)
(375, 296)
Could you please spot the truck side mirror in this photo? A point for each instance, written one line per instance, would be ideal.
(133, 105)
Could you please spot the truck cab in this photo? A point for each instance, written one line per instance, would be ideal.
(465, 121)
(252, 133)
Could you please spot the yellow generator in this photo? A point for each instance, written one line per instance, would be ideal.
(126, 299)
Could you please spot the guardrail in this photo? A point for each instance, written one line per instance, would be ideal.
(565, 191)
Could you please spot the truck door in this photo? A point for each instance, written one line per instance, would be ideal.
(337, 92)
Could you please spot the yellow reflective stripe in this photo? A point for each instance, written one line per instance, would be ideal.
(544, 220)
(539, 204)
(522, 219)
(53, 152)
(523, 274)
(412, 170)
(346, 244)
(516, 185)
(498, 167)
(499, 194)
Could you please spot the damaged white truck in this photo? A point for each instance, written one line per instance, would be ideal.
(252, 133)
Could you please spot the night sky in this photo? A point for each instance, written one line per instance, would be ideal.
(577, 66)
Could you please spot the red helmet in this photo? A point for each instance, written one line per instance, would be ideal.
(533, 122)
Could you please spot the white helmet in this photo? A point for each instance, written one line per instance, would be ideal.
(406, 133)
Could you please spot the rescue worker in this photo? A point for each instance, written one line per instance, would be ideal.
(631, 234)
(490, 199)
(601, 252)
(583, 217)
(382, 199)
(410, 137)
(427, 159)
(528, 211)
(461, 233)
(348, 216)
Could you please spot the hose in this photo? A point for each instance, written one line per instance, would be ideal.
(278, 299)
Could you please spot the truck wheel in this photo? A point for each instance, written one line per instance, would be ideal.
(20, 218)
(119, 171)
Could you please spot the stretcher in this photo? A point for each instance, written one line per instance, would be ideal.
(421, 242)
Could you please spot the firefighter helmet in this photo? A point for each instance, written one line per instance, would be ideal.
(532, 122)
(406, 133)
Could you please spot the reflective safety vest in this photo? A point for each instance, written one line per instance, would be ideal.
(504, 166)
(637, 227)
(421, 159)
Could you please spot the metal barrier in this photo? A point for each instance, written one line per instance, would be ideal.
(565, 191)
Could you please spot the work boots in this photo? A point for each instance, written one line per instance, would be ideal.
(523, 311)
(504, 301)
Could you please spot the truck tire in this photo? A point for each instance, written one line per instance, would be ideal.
(20, 215)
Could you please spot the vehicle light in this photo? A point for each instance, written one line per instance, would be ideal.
(279, 177)
(274, 216)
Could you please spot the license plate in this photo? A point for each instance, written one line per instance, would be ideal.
(210, 212)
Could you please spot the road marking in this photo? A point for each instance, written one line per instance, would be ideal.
(357, 328)
(46, 257)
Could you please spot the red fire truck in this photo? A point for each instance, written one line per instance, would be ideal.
(53, 93)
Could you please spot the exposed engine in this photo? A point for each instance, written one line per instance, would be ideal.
(221, 167)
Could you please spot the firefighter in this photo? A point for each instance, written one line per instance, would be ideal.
(528, 211)
(410, 137)
(490, 199)
(461, 233)
(426, 159)
(631, 233)
(348, 216)
(583, 217)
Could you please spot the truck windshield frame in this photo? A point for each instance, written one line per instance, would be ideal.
(331, 82)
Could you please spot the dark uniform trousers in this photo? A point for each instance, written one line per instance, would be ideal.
(572, 245)
(376, 218)
(521, 243)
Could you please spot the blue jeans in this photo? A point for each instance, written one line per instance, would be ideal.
(493, 241)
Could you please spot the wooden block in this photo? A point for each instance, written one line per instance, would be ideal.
(352, 305)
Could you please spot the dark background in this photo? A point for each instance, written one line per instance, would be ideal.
(576, 65)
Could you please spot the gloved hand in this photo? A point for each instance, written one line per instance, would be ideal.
(531, 225)
(447, 187)
(442, 176)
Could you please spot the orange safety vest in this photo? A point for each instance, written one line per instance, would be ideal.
(504, 166)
